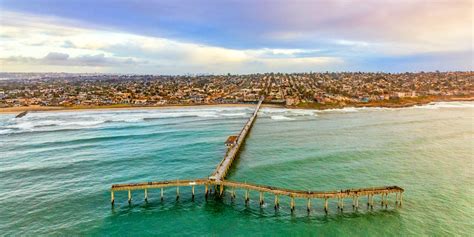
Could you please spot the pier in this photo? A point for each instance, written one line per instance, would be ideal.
(216, 183)
(234, 147)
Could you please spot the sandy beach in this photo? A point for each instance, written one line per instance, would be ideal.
(36, 108)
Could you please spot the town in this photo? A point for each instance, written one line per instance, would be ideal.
(313, 90)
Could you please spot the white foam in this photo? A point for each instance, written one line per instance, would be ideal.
(5, 131)
(342, 110)
(235, 115)
(439, 105)
(281, 117)
(303, 112)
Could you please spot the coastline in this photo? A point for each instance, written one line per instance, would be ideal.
(16, 110)
(315, 106)
(399, 103)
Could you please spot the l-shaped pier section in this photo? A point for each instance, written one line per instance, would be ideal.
(216, 182)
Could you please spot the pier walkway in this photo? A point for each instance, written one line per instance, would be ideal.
(216, 183)
(234, 148)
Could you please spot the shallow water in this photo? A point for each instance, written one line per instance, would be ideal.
(56, 170)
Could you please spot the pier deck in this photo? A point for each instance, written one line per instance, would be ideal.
(220, 186)
(224, 166)
(218, 183)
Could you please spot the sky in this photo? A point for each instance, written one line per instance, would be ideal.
(241, 36)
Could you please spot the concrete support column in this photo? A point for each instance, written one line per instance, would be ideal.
(308, 205)
(326, 205)
(146, 195)
(292, 204)
(192, 191)
(247, 198)
(277, 205)
(161, 196)
(177, 193)
(261, 198)
(129, 196)
(112, 198)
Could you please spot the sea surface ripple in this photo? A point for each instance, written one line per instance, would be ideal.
(56, 169)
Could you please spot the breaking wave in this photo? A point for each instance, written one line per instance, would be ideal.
(281, 117)
(67, 120)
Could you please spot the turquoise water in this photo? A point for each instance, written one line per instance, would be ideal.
(56, 170)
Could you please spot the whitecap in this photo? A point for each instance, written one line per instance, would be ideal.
(5, 131)
(439, 105)
(302, 112)
(234, 115)
(342, 110)
(281, 117)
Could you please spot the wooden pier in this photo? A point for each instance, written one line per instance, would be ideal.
(216, 183)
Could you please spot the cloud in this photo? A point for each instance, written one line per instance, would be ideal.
(68, 44)
(63, 59)
(220, 37)
(98, 48)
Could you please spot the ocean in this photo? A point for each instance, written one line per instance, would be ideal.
(56, 169)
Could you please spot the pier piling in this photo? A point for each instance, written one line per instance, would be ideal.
(292, 204)
(326, 205)
(247, 198)
(293, 194)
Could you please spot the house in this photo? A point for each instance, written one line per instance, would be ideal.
(231, 141)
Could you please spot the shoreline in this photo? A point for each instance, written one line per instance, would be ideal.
(312, 106)
(16, 110)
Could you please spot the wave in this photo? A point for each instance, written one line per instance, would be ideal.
(342, 110)
(433, 105)
(288, 112)
(440, 105)
(235, 115)
(5, 131)
(281, 117)
(28, 125)
(49, 122)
